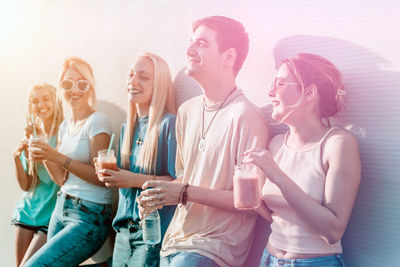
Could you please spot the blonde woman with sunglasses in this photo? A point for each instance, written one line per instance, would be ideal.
(313, 171)
(32, 212)
(147, 152)
(80, 222)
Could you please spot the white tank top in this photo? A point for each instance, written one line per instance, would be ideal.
(289, 232)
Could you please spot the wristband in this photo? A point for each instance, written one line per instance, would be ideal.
(183, 196)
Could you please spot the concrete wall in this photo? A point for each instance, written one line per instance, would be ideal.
(360, 37)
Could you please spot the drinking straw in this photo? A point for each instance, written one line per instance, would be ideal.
(33, 124)
(111, 142)
(253, 145)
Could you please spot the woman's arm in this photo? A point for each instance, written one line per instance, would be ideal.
(125, 179)
(54, 160)
(343, 177)
(23, 178)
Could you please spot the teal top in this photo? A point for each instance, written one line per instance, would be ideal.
(36, 205)
(165, 165)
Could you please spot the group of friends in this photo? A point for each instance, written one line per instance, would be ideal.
(182, 163)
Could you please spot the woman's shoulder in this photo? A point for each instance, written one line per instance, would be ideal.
(98, 116)
(168, 118)
(342, 139)
(337, 134)
(98, 122)
(168, 123)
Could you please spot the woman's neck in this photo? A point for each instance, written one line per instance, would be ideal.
(142, 110)
(47, 125)
(305, 132)
(81, 113)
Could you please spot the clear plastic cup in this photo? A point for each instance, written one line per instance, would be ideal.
(31, 148)
(106, 160)
(246, 194)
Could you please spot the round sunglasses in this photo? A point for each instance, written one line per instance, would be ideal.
(81, 85)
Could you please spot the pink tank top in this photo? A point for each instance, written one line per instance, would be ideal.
(289, 232)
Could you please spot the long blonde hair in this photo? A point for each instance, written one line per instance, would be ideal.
(58, 117)
(84, 69)
(162, 100)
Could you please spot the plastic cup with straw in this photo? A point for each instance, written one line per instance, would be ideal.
(246, 193)
(106, 158)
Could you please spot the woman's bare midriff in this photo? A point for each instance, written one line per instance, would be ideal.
(281, 254)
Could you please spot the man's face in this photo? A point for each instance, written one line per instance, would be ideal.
(204, 59)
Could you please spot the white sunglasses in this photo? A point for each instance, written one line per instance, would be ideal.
(82, 85)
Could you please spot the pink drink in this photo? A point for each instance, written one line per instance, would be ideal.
(245, 187)
(106, 160)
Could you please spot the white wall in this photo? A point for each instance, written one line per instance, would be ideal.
(360, 37)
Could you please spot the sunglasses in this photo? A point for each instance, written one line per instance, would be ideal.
(81, 85)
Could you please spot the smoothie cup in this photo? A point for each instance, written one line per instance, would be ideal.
(246, 194)
(32, 148)
(106, 160)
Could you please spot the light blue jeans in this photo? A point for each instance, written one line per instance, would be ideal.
(77, 230)
(268, 260)
(184, 259)
(130, 249)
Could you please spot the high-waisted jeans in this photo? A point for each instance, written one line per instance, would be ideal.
(131, 251)
(77, 230)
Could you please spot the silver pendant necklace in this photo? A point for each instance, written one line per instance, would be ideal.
(202, 143)
(140, 139)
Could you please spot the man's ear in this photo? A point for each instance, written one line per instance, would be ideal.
(230, 56)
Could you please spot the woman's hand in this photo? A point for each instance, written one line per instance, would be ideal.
(120, 178)
(20, 147)
(263, 159)
(29, 131)
(264, 211)
(40, 150)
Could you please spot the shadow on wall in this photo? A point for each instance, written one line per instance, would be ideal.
(116, 115)
(372, 114)
(185, 88)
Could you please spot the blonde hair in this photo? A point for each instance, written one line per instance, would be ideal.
(84, 69)
(58, 117)
(162, 100)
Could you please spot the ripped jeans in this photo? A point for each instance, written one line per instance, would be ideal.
(77, 230)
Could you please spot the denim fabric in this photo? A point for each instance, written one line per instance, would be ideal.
(183, 259)
(165, 165)
(268, 260)
(130, 250)
(36, 229)
(78, 228)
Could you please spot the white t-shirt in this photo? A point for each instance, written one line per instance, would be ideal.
(77, 147)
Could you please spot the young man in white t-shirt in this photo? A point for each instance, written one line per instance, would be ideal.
(212, 131)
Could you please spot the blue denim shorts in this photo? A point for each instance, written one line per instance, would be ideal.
(77, 230)
(43, 228)
(268, 260)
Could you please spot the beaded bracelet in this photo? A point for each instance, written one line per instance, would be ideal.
(67, 162)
